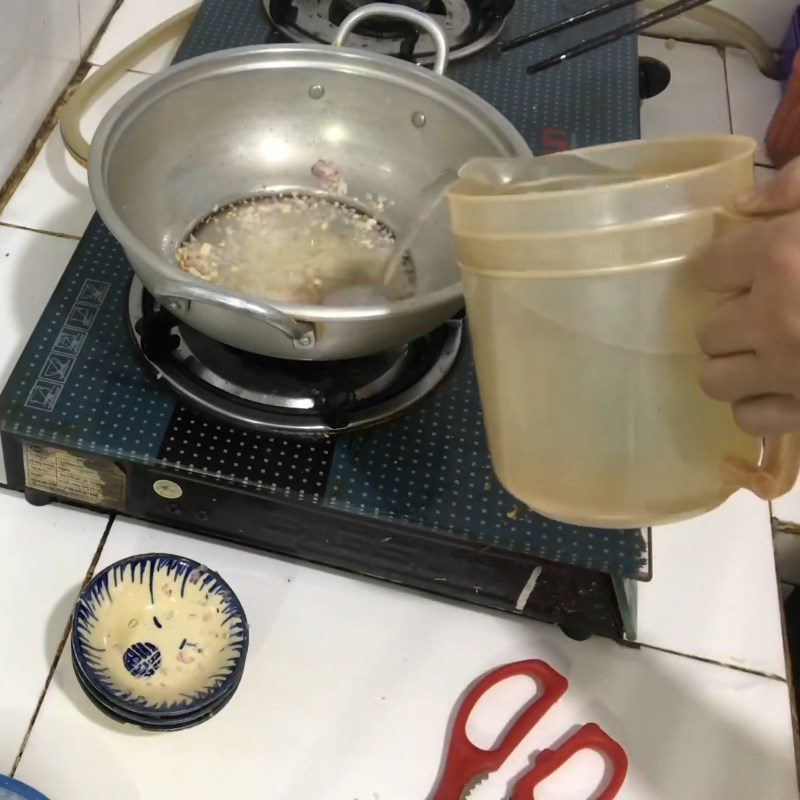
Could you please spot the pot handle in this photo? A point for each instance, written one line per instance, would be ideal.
(177, 297)
(107, 75)
(417, 18)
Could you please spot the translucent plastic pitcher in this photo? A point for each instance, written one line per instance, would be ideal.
(583, 305)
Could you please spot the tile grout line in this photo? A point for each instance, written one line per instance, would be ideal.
(50, 120)
(746, 670)
(13, 225)
(40, 137)
(718, 43)
(135, 70)
(724, 55)
(60, 649)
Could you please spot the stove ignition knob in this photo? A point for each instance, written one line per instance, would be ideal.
(167, 489)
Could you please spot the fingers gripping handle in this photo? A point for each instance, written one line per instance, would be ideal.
(779, 468)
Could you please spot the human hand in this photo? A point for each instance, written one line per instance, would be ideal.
(752, 337)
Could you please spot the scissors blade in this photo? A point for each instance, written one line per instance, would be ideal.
(473, 784)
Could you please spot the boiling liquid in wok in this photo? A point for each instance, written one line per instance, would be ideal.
(297, 249)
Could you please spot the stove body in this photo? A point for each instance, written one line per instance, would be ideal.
(412, 500)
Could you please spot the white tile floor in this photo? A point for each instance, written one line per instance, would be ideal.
(695, 101)
(40, 46)
(352, 682)
(36, 77)
(58, 177)
(709, 92)
(36, 595)
(135, 18)
(92, 15)
(753, 99)
(696, 603)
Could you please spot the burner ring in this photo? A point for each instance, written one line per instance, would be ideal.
(242, 389)
(468, 26)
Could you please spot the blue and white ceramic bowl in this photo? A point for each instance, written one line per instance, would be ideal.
(153, 719)
(151, 722)
(15, 790)
(159, 635)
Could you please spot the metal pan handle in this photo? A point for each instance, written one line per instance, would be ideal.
(429, 25)
(177, 296)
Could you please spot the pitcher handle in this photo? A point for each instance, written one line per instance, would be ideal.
(775, 475)
(779, 468)
(107, 75)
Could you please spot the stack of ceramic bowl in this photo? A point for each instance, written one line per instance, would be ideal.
(159, 641)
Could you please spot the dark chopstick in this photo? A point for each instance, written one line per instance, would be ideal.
(583, 16)
(647, 21)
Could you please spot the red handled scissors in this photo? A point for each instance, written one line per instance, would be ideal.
(467, 764)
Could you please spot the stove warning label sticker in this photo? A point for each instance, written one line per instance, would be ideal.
(86, 479)
(60, 360)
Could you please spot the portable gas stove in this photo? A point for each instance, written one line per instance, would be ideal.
(377, 466)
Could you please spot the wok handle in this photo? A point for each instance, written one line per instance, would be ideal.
(177, 297)
(107, 75)
(417, 18)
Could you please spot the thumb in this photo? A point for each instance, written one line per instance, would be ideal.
(779, 195)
